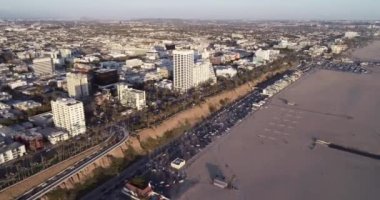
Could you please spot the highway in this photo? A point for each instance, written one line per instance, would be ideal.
(116, 181)
(53, 182)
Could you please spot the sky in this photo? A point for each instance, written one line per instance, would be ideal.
(192, 9)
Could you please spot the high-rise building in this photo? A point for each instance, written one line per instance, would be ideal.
(104, 77)
(131, 97)
(262, 54)
(203, 72)
(68, 114)
(77, 85)
(65, 53)
(43, 66)
(183, 63)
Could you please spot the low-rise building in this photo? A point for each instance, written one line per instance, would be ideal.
(163, 72)
(139, 189)
(152, 54)
(32, 140)
(165, 63)
(151, 76)
(131, 97)
(17, 84)
(4, 106)
(225, 71)
(42, 120)
(21, 68)
(82, 68)
(317, 50)
(281, 84)
(351, 34)
(26, 105)
(217, 60)
(266, 55)
(7, 114)
(5, 96)
(178, 163)
(53, 135)
(165, 84)
(10, 151)
(337, 49)
(133, 63)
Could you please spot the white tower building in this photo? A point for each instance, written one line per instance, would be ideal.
(77, 85)
(183, 62)
(68, 114)
(203, 72)
(43, 66)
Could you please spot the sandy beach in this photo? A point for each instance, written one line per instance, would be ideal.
(270, 153)
(368, 53)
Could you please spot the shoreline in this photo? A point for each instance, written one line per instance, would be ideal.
(369, 53)
(278, 145)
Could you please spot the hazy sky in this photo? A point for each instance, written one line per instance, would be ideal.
(195, 9)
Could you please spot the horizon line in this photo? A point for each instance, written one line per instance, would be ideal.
(183, 19)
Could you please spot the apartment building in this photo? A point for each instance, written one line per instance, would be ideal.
(68, 114)
(131, 97)
(183, 63)
(77, 85)
(43, 66)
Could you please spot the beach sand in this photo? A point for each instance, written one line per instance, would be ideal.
(270, 152)
(368, 53)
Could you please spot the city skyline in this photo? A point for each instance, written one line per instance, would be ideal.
(197, 9)
(142, 104)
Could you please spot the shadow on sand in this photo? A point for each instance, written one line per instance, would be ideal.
(214, 171)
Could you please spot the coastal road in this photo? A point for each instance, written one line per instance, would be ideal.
(116, 181)
(46, 187)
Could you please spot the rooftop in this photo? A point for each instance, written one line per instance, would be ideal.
(139, 182)
(105, 70)
(183, 52)
(67, 101)
(50, 132)
(178, 161)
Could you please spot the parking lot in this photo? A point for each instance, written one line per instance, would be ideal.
(343, 67)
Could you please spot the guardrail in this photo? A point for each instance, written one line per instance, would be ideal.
(59, 181)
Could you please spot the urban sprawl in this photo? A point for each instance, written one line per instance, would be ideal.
(70, 86)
